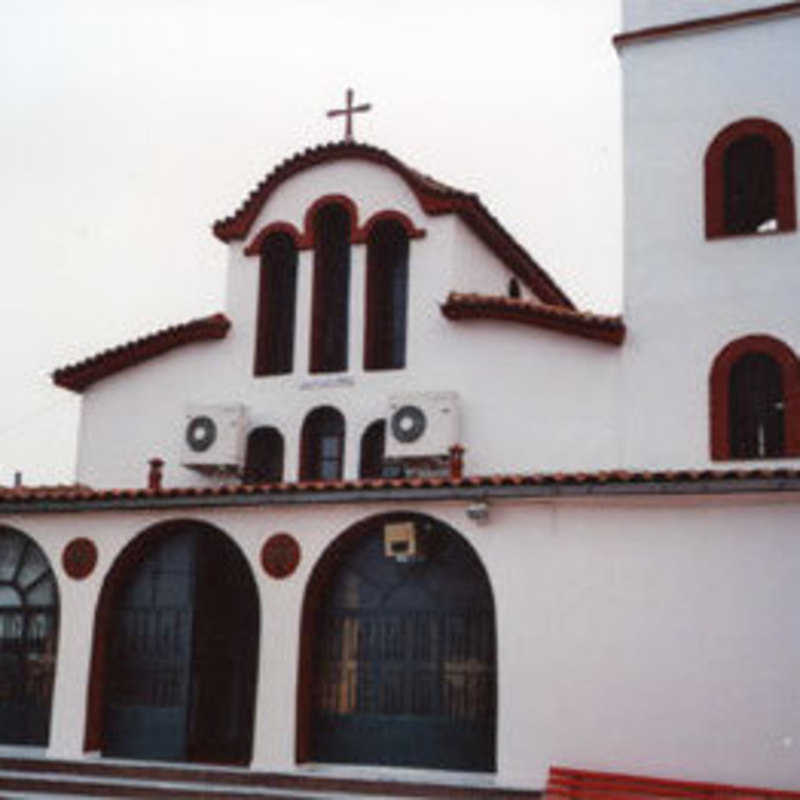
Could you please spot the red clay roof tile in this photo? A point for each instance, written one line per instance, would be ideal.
(460, 306)
(83, 374)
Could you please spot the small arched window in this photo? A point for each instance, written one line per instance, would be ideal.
(322, 445)
(264, 460)
(387, 296)
(749, 176)
(755, 400)
(756, 406)
(373, 442)
(276, 305)
(331, 289)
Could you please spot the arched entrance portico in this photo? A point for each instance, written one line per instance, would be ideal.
(398, 661)
(175, 649)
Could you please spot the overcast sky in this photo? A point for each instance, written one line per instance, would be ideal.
(128, 128)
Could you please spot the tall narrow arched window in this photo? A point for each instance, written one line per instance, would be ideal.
(322, 445)
(28, 638)
(373, 442)
(331, 289)
(749, 177)
(755, 400)
(756, 407)
(264, 460)
(276, 305)
(387, 296)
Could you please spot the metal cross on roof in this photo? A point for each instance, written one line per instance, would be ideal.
(348, 112)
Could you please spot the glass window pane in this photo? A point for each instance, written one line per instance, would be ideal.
(33, 566)
(11, 545)
(43, 594)
(9, 597)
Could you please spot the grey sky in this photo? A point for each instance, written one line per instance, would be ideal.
(127, 129)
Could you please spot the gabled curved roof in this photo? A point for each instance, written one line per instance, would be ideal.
(433, 196)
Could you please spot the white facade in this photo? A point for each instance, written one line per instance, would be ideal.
(655, 631)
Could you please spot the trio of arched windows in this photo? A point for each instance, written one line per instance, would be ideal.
(322, 440)
(386, 296)
(749, 180)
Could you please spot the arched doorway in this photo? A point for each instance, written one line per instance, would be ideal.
(398, 661)
(176, 649)
(28, 638)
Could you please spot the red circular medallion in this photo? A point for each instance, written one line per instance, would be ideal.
(280, 555)
(79, 558)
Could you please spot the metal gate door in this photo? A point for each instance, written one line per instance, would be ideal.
(150, 655)
(404, 668)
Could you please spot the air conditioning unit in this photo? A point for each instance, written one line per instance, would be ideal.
(213, 438)
(423, 424)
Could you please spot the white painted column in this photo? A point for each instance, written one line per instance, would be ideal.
(356, 309)
(77, 604)
(302, 322)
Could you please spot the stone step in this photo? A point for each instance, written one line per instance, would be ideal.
(39, 777)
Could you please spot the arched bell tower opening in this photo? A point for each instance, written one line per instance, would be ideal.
(398, 650)
(175, 649)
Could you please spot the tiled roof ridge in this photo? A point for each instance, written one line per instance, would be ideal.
(567, 783)
(434, 196)
(365, 485)
(84, 373)
(601, 327)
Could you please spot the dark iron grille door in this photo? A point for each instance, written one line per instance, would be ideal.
(150, 655)
(405, 661)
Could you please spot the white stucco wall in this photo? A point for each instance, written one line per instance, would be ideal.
(686, 297)
(647, 13)
(523, 391)
(654, 635)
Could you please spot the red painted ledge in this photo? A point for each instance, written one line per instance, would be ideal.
(572, 784)
(702, 23)
(83, 374)
(601, 328)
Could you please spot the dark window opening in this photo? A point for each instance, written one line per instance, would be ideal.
(750, 187)
(513, 289)
(331, 289)
(373, 444)
(276, 306)
(264, 461)
(387, 296)
(756, 415)
(322, 455)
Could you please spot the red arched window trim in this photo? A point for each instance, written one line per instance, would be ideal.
(720, 389)
(715, 179)
(329, 200)
(254, 248)
(304, 240)
(412, 231)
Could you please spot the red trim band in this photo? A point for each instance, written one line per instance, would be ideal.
(703, 23)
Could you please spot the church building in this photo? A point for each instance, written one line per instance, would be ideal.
(399, 519)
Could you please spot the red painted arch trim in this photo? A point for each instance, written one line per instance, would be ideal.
(433, 196)
(719, 391)
(704, 23)
(358, 233)
(254, 248)
(412, 231)
(715, 175)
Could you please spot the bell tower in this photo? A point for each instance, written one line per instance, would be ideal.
(711, 123)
